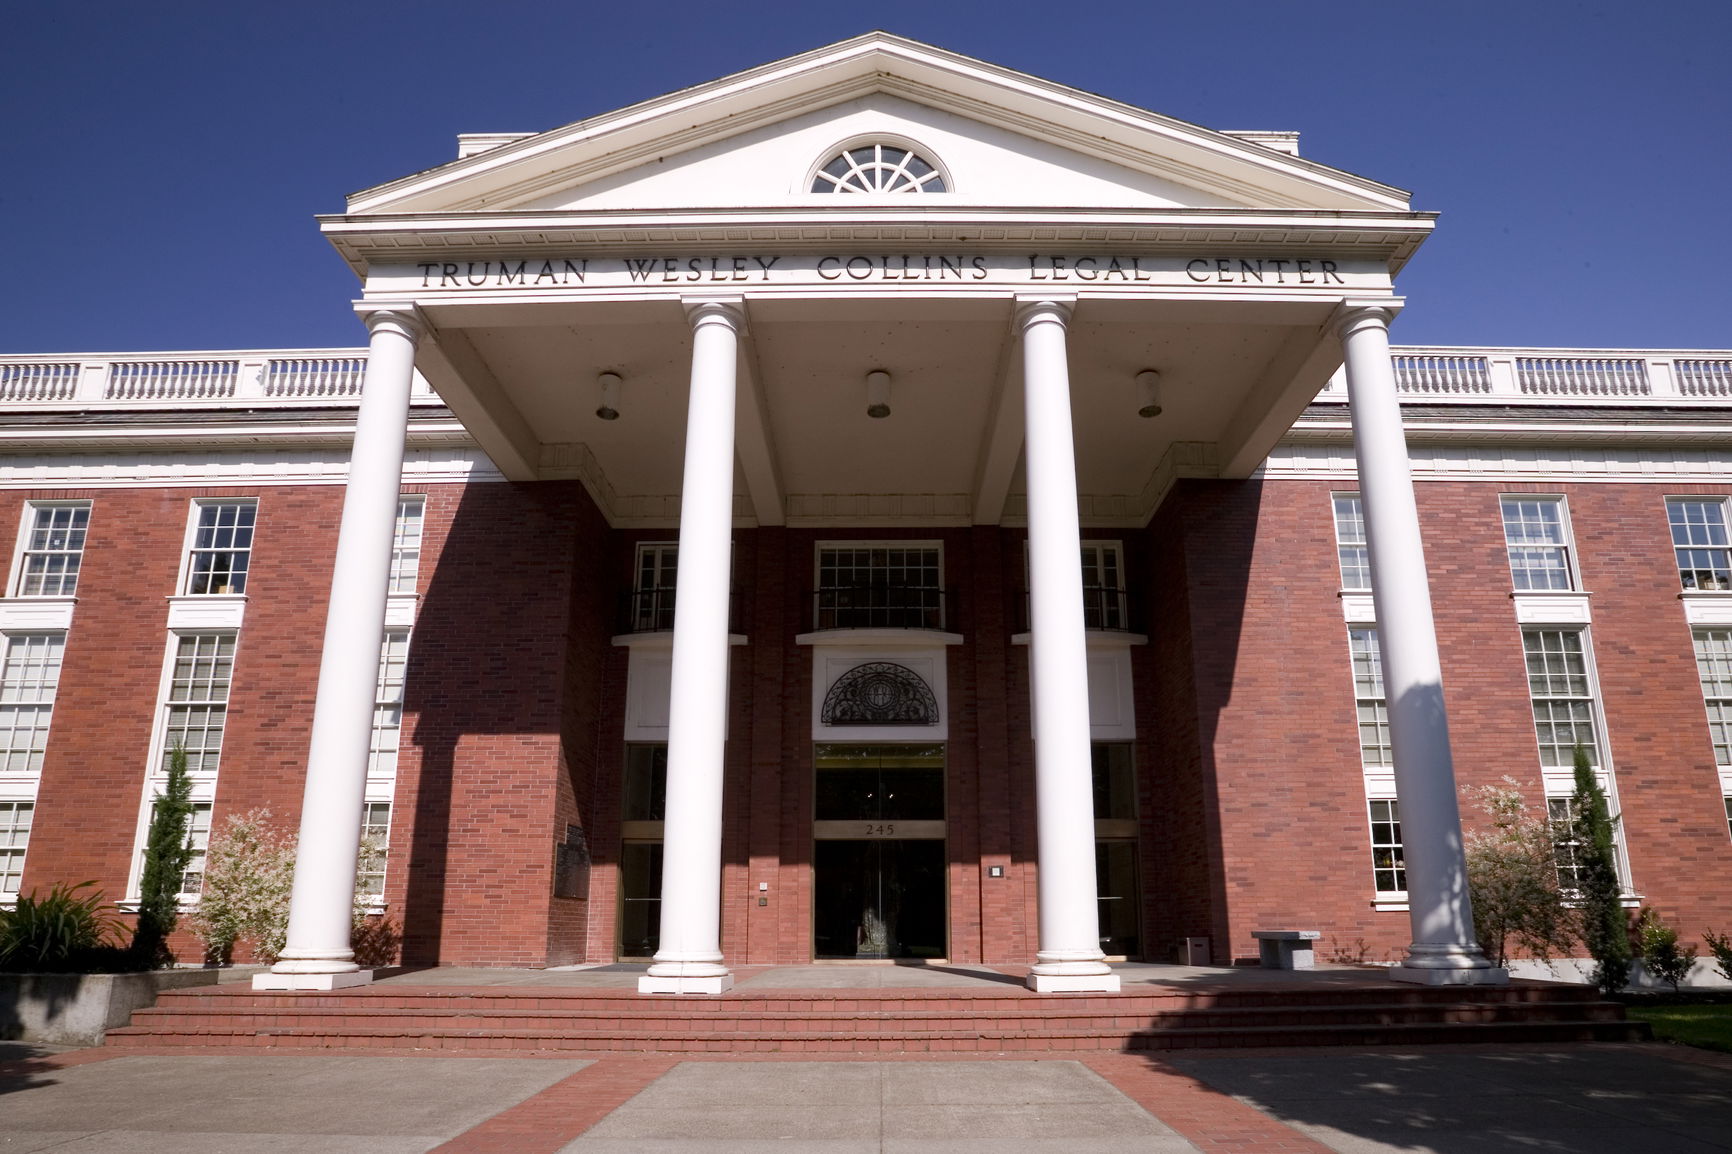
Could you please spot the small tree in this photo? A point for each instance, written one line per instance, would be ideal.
(1605, 928)
(1512, 877)
(1720, 945)
(249, 869)
(167, 853)
(1661, 956)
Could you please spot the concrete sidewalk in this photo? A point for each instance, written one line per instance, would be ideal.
(1626, 1099)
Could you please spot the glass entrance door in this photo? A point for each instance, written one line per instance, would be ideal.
(878, 861)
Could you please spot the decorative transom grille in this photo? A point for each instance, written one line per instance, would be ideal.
(878, 168)
(880, 693)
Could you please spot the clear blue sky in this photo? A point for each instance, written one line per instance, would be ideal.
(164, 161)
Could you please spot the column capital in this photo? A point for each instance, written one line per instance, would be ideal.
(1350, 315)
(402, 317)
(726, 310)
(1031, 310)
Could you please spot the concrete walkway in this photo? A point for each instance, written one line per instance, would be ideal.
(1626, 1099)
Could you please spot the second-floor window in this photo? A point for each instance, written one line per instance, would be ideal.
(53, 550)
(1350, 547)
(222, 546)
(887, 586)
(406, 543)
(1701, 542)
(198, 699)
(28, 681)
(1103, 577)
(1537, 537)
(658, 566)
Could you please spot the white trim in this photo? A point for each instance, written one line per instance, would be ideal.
(209, 468)
(1552, 607)
(401, 610)
(866, 139)
(26, 525)
(195, 507)
(1358, 608)
(1574, 463)
(206, 612)
(35, 614)
(1572, 568)
(1704, 607)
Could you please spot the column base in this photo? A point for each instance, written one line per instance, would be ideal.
(1478, 976)
(271, 980)
(685, 983)
(1107, 983)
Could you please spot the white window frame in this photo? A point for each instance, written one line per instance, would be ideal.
(183, 583)
(655, 617)
(941, 171)
(1717, 585)
(21, 551)
(1565, 545)
(1717, 705)
(1114, 609)
(30, 774)
(406, 553)
(203, 781)
(12, 845)
(1398, 864)
(1368, 692)
(1342, 545)
(375, 900)
(388, 696)
(820, 547)
(1559, 780)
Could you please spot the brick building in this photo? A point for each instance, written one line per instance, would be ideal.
(706, 581)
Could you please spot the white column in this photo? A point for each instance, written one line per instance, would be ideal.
(1444, 949)
(690, 958)
(317, 955)
(1069, 956)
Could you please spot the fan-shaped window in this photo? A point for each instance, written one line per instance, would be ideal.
(878, 168)
(880, 693)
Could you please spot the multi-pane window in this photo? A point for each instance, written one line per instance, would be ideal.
(1562, 696)
(884, 586)
(198, 698)
(198, 838)
(1375, 749)
(222, 546)
(1388, 860)
(1701, 542)
(388, 704)
(1714, 665)
(878, 168)
(1350, 546)
(1566, 847)
(1538, 542)
(658, 565)
(643, 805)
(406, 543)
(53, 549)
(28, 680)
(1103, 578)
(14, 838)
(375, 837)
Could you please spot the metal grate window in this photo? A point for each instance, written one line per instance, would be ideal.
(14, 839)
(1563, 701)
(406, 544)
(1375, 749)
(1350, 546)
(388, 705)
(1538, 542)
(53, 550)
(222, 547)
(198, 699)
(658, 568)
(1700, 540)
(1388, 859)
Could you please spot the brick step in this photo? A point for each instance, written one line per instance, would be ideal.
(982, 1039)
(1031, 1019)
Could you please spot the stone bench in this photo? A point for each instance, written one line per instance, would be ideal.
(1287, 949)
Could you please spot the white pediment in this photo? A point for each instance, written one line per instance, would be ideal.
(984, 164)
(751, 140)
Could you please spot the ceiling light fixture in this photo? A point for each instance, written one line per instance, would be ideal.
(878, 394)
(1148, 386)
(608, 410)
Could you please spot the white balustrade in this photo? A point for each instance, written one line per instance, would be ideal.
(32, 382)
(1440, 373)
(314, 376)
(1583, 376)
(1703, 377)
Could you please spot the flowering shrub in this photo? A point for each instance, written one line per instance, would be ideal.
(249, 870)
(1512, 877)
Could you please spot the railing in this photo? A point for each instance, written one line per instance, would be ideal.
(652, 610)
(1551, 376)
(880, 607)
(288, 376)
(1105, 608)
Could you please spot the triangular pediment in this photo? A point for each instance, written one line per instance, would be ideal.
(752, 140)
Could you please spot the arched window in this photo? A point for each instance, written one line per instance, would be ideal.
(878, 168)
